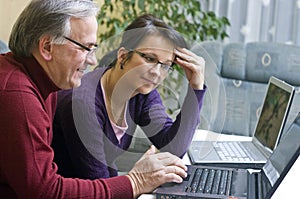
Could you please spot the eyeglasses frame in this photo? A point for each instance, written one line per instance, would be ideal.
(90, 50)
(143, 55)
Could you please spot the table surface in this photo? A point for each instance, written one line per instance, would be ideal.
(288, 187)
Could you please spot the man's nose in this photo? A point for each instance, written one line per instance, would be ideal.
(92, 59)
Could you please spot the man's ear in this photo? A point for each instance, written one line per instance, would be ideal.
(45, 48)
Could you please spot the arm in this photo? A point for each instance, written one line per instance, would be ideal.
(162, 131)
(176, 137)
(27, 160)
(27, 168)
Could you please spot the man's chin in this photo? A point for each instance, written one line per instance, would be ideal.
(73, 84)
(77, 83)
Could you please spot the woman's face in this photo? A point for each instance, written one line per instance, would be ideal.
(148, 64)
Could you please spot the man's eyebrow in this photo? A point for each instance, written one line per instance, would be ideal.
(91, 44)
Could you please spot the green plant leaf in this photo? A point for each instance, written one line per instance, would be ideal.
(141, 4)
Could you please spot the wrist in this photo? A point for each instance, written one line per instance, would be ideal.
(197, 86)
(134, 186)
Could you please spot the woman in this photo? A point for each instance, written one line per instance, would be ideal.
(94, 123)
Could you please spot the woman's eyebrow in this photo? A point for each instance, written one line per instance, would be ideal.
(156, 56)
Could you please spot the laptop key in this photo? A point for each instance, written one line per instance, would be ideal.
(203, 180)
(241, 149)
(228, 182)
(222, 188)
(216, 183)
(210, 180)
(196, 180)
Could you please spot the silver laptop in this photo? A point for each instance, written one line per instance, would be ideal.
(224, 182)
(254, 153)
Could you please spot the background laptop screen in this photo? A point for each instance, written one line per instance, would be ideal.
(272, 115)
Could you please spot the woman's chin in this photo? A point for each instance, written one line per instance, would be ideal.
(146, 89)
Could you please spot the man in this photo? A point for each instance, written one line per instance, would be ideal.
(52, 43)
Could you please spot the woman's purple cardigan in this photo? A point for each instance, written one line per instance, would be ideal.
(84, 142)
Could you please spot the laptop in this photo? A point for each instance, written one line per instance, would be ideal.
(224, 182)
(252, 153)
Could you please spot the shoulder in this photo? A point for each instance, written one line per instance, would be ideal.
(85, 99)
(92, 78)
(89, 84)
(13, 79)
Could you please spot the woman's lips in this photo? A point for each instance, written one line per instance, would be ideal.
(149, 81)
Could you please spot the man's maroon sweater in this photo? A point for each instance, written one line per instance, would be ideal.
(27, 170)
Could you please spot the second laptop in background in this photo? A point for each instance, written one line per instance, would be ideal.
(254, 153)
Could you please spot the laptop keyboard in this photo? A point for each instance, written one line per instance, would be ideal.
(233, 151)
(210, 181)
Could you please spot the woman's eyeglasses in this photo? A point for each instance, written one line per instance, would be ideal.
(153, 60)
(91, 51)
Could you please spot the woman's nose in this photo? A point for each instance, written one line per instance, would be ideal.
(155, 69)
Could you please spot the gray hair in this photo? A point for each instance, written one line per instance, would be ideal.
(47, 17)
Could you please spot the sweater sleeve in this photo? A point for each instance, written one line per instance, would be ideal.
(165, 134)
(26, 160)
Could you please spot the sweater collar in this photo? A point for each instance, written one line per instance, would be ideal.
(38, 76)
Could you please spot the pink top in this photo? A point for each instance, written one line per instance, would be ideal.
(118, 130)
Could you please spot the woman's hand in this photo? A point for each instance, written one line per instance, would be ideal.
(193, 66)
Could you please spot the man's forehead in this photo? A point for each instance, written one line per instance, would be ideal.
(82, 27)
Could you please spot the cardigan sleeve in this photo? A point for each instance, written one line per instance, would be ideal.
(26, 160)
(165, 134)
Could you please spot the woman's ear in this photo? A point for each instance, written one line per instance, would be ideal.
(45, 48)
(122, 56)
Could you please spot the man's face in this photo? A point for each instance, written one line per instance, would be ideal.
(70, 60)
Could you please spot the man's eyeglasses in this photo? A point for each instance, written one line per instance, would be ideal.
(91, 51)
(153, 60)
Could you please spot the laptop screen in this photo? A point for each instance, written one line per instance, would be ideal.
(283, 156)
(274, 112)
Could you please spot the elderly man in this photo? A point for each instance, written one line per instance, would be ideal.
(52, 43)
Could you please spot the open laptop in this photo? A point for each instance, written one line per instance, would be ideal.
(254, 153)
(224, 182)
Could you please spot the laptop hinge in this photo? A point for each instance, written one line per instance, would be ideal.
(254, 184)
(264, 150)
